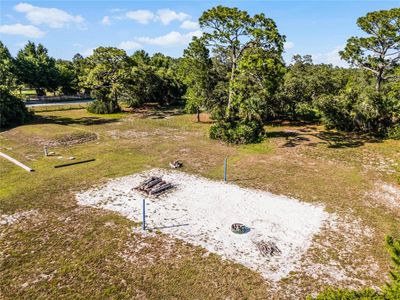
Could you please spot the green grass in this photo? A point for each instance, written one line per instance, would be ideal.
(68, 251)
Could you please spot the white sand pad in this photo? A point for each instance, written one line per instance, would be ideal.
(201, 211)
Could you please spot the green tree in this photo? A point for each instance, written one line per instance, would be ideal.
(81, 69)
(259, 77)
(106, 71)
(233, 31)
(152, 79)
(305, 82)
(379, 52)
(196, 68)
(12, 109)
(67, 77)
(166, 69)
(36, 69)
(251, 48)
(7, 67)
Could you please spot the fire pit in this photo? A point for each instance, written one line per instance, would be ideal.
(238, 228)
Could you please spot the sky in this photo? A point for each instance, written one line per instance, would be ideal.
(319, 28)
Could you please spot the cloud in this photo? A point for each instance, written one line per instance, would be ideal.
(129, 45)
(166, 16)
(288, 45)
(19, 29)
(115, 10)
(173, 38)
(106, 21)
(53, 17)
(330, 57)
(141, 16)
(190, 25)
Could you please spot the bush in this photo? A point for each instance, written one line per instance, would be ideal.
(363, 111)
(307, 112)
(394, 133)
(12, 110)
(101, 107)
(237, 132)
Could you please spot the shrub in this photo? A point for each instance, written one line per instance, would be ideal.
(307, 112)
(237, 132)
(101, 107)
(12, 110)
(394, 132)
(364, 111)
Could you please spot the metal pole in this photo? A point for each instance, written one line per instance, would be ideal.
(225, 168)
(144, 214)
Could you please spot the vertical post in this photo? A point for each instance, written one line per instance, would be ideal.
(45, 151)
(144, 214)
(225, 168)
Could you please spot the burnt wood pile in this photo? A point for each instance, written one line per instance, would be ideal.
(154, 186)
(268, 248)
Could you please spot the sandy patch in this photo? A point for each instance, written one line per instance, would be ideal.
(11, 219)
(386, 194)
(201, 211)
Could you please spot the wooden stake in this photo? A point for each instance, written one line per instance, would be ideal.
(225, 169)
(144, 214)
(16, 162)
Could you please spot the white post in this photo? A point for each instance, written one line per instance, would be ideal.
(16, 162)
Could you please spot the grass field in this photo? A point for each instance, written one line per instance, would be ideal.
(56, 248)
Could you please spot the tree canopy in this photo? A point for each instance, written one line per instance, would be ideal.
(234, 72)
(35, 68)
(379, 51)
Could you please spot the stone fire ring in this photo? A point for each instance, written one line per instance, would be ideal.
(238, 228)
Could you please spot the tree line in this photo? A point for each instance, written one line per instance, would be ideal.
(236, 73)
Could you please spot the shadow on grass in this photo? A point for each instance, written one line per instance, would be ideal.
(293, 138)
(86, 121)
(332, 138)
(345, 140)
(155, 111)
(51, 109)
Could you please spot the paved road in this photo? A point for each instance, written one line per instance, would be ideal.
(59, 103)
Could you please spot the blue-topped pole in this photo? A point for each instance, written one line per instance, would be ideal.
(144, 214)
(225, 168)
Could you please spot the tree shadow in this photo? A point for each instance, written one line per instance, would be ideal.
(294, 123)
(85, 121)
(281, 134)
(293, 138)
(295, 141)
(155, 111)
(345, 140)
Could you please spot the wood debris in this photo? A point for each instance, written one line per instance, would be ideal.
(268, 248)
(154, 186)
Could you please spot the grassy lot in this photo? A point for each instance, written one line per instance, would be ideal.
(60, 249)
